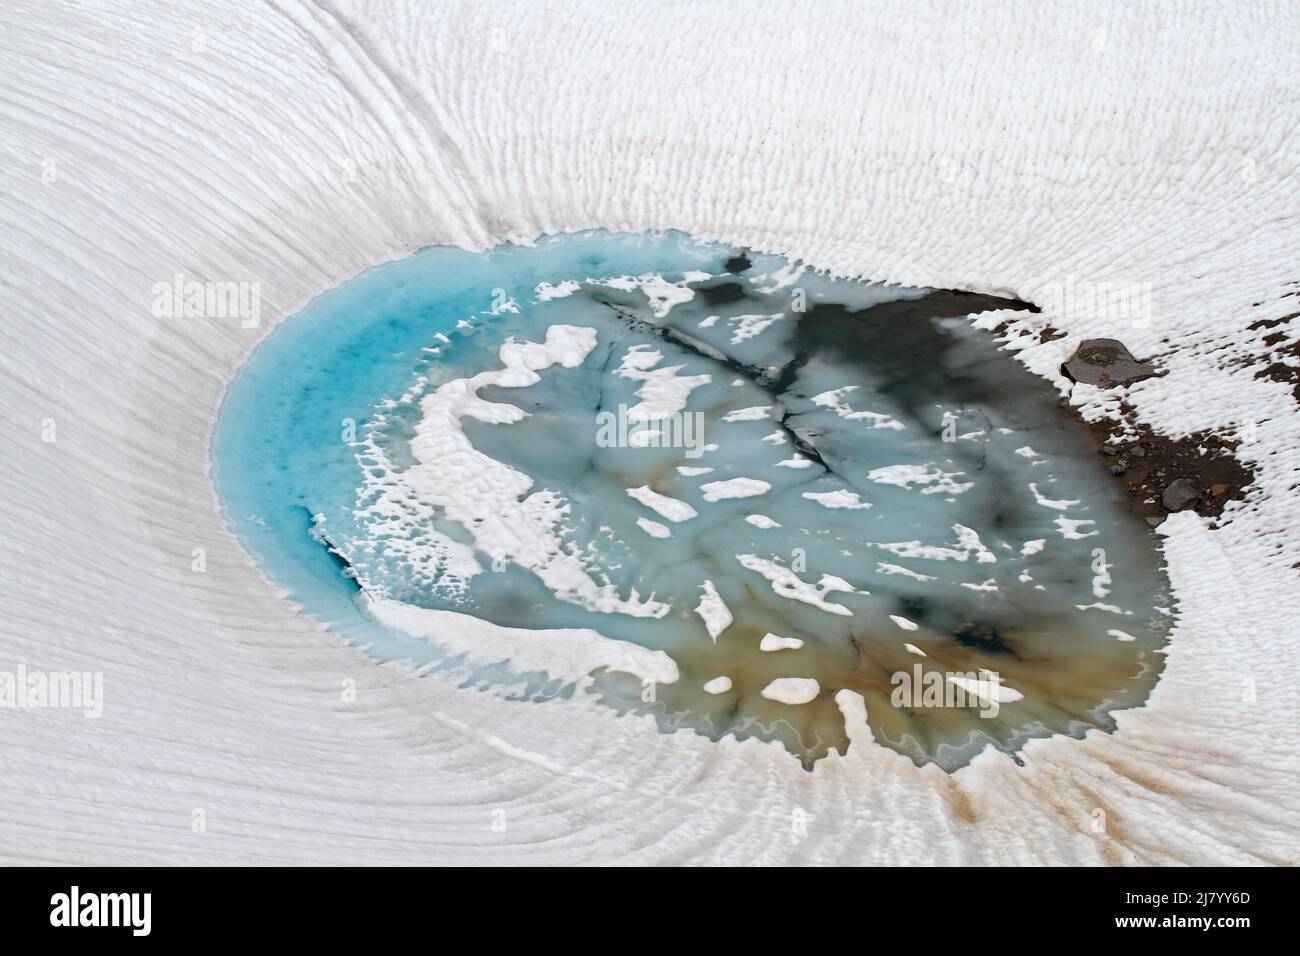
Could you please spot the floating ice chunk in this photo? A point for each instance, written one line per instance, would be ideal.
(913, 649)
(834, 400)
(754, 413)
(690, 471)
(789, 585)
(792, 690)
(1033, 547)
(774, 642)
(749, 326)
(1121, 635)
(842, 498)
(885, 567)
(670, 508)
(797, 462)
(1069, 528)
(1099, 606)
(990, 689)
(926, 552)
(968, 543)
(904, 476)
(734, 488)
(713, 611)
(664, 392)
(545, 292)
(969, 540)
(653, 528)
(719, 685)
(761, 521)
(663, 295)
(903, 622)
(1048, 502)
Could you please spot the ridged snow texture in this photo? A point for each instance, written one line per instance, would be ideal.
(959, 145)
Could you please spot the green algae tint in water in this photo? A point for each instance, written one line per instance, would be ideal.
(791, 485)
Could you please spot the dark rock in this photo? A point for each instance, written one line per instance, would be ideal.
(1153, 521)
(1117, 469)
(1105, 363)
(737, 264)
(1218, 490)
(1179, 494)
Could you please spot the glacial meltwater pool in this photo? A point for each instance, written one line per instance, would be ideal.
(697, 483)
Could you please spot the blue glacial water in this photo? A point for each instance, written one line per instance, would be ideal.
(846, 466)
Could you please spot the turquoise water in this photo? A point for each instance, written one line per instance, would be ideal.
(342, 469)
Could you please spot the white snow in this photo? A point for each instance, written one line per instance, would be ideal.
(1056, 504)
(988, 688)
(671, 508)
(653, 528)
(713, 610)
(298, 145)
(835, 400)
(792, 690)
(754, 413)
(774, 642)
(748, 326)
(663, 392)
(734, 488)
(933, 480)
(789, 585)
(569, 654)
(842, 498)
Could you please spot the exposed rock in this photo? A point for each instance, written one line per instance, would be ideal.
(1105, 363)
(1209, 456)
(1206, 459)
(1179, 494)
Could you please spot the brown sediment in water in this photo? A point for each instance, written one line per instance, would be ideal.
(1064, 690)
